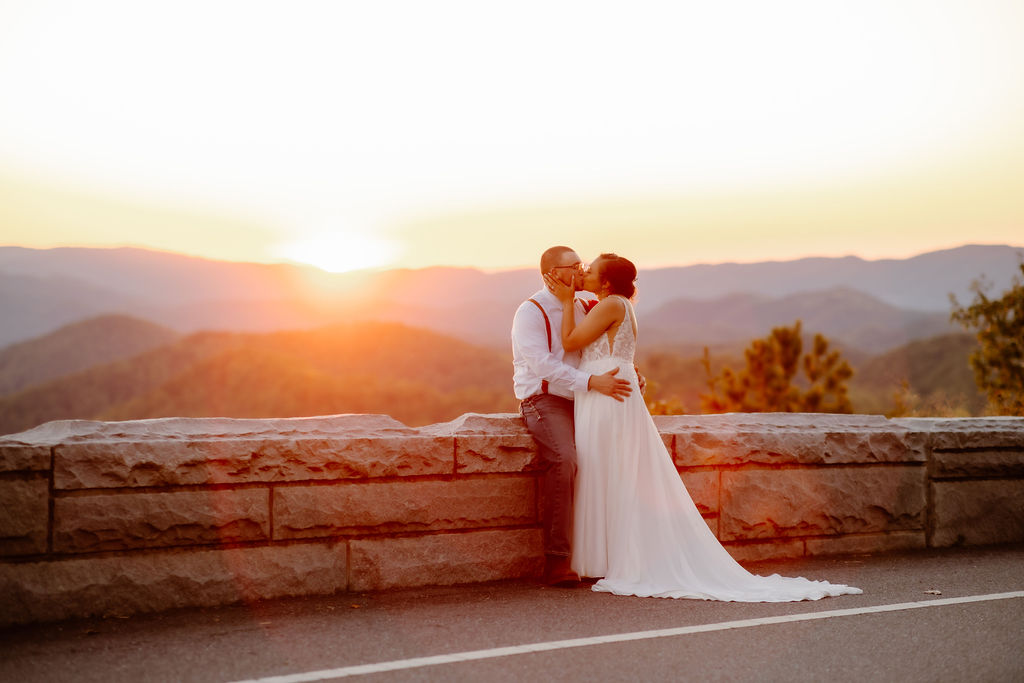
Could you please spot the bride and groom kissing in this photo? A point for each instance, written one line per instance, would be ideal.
(613, 505)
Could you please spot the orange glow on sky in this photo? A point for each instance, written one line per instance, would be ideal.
(370, 135)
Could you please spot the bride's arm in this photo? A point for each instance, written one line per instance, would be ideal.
(605, 314)
(602, 316)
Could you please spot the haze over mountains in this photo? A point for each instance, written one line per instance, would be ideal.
(865, 305)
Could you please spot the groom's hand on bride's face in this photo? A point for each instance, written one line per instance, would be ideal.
(609, 385)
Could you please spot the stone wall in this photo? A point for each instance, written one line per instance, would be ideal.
(124, 517)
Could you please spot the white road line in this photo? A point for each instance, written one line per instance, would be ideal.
(417, 662)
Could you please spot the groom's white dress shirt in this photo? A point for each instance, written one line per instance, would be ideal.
(531, 360)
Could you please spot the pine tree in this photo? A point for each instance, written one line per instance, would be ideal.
(998, 362)
(766, 384)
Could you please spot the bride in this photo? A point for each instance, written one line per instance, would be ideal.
(635, 524)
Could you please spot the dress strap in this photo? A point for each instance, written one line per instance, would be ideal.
(630, 313)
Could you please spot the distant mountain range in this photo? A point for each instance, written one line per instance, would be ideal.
(865, 305)
(844, 315)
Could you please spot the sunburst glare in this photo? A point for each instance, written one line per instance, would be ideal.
(340, 251)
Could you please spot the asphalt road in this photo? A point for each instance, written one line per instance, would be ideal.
(965, 641)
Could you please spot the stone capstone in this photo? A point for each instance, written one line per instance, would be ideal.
(967, 433)
(785, 439)
(983, 463)
(171, 428)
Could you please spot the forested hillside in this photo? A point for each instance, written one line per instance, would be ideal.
(416, 376)
(76, 347)
(926, 377)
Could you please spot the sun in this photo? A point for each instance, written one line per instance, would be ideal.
(340, 252)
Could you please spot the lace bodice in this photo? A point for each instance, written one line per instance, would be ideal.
(623, 346)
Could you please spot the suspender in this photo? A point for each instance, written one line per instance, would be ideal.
(547, 326)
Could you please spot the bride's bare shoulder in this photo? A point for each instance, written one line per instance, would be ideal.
(611, 307)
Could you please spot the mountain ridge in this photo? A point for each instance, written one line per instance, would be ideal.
(190, 294)
(846, 316)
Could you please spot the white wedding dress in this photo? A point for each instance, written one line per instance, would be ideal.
(635, 524)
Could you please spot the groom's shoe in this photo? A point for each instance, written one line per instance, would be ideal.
(558, 572)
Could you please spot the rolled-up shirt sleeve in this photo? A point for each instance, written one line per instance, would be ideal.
(530, 347)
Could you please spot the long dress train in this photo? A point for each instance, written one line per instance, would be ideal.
(634, 523)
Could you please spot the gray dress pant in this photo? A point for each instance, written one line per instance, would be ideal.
(549, 419)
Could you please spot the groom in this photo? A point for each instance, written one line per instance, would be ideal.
(545, 377)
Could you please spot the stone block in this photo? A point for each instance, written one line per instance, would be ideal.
(150, 520)
(115, 464)
(202, 428)
(866, 543)
(768, 550)
(311, 511)
(980, 464)
(742, 447)
(978, 512)
(445, 559)
(499, 453)
(703, 489)
(154, 581)
(489, 443)
(478, 424)
(24, 516)
(821, 501)
(781, 439)
(953, 434)
(885, 444)
(15, 457)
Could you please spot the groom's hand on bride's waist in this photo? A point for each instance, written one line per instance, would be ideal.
(609, 385)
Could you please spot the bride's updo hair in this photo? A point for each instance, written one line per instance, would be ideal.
(619, 273)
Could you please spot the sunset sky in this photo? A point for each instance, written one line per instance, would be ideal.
(385, 134)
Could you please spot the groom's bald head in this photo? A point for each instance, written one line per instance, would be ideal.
(556, 256)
